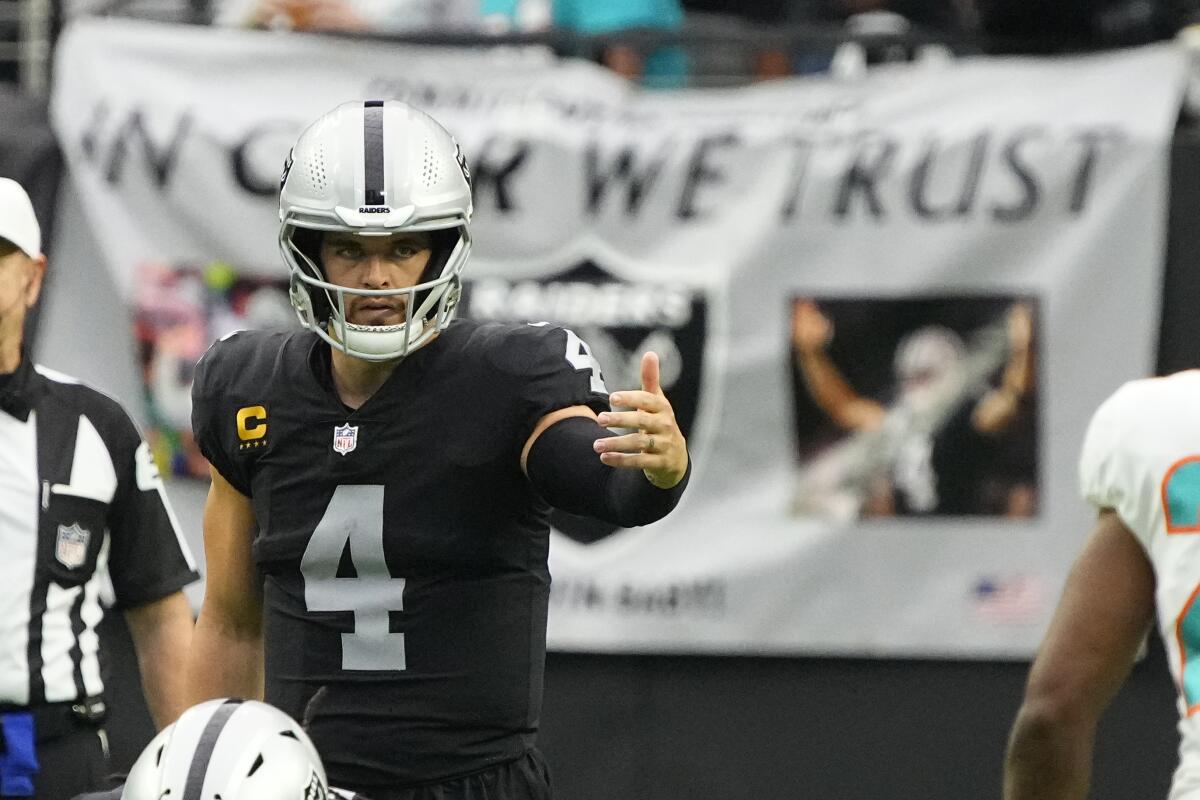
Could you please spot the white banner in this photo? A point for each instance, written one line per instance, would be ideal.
(886, 309)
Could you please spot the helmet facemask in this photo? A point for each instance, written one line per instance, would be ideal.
(429, 305)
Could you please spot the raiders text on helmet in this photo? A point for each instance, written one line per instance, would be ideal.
(375, 168)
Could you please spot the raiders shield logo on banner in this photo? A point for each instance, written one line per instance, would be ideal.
(619, 320)
(71, 546)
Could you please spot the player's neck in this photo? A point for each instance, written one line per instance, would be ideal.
(355, 380)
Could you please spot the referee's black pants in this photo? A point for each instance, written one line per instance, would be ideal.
(70, 763)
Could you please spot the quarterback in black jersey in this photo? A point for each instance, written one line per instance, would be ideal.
(376, 531)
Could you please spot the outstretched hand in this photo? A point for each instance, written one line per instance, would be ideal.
(657, 447)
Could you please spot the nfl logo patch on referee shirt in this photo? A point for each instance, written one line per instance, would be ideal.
(71, 546)
(345, 438)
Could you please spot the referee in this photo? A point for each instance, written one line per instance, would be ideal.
(84, 526)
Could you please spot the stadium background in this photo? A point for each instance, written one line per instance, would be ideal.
(671, 726)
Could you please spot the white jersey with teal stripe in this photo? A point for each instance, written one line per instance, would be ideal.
(1141, 457)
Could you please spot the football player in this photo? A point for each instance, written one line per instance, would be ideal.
(377, 522)
(1140, 468)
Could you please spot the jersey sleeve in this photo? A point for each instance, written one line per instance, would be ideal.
(1113, 469)
(554, 369)
(214, 420)
(149, 558)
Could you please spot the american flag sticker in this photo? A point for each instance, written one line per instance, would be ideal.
(1008, 600)
(345, 438)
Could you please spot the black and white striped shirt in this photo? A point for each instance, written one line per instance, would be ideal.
(84, 526)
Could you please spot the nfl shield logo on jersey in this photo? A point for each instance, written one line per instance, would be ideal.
(345, 438)
(72, 544)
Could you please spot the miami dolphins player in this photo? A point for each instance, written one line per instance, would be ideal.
(1140, 467)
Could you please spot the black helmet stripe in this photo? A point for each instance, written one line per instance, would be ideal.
(204, 749)
(373, 188)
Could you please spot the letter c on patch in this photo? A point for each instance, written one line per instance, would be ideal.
(251, 423)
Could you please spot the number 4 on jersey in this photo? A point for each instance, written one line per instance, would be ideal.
(354, 516)
(579, 356)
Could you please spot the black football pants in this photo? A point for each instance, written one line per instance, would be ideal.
(524, 778)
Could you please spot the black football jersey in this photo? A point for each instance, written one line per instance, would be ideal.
(403, 550)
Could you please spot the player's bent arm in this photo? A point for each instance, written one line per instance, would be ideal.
(226, 658)
(562, 464)
(1101, 621)
(162, 635)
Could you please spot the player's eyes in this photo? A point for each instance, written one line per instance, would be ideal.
(355, 252)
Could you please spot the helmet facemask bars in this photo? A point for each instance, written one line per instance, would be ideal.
(429, 305)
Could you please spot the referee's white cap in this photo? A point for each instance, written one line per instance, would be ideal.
(18, 223)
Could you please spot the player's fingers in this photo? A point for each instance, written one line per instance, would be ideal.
(650, 373)
(639, 420)
(642, 461)
(629, 443)
(633, 398)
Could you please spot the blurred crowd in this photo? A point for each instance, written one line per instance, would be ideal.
(879, 29)
(671, 43)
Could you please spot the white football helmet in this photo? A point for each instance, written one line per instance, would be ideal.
(375, 168)
(229, 750)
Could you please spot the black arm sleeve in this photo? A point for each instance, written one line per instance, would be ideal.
(570, 476)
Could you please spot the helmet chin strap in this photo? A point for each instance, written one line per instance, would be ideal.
(382, 341)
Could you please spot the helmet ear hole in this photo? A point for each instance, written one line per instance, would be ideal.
(302, 301)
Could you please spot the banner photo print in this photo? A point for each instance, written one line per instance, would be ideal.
(885, 309)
